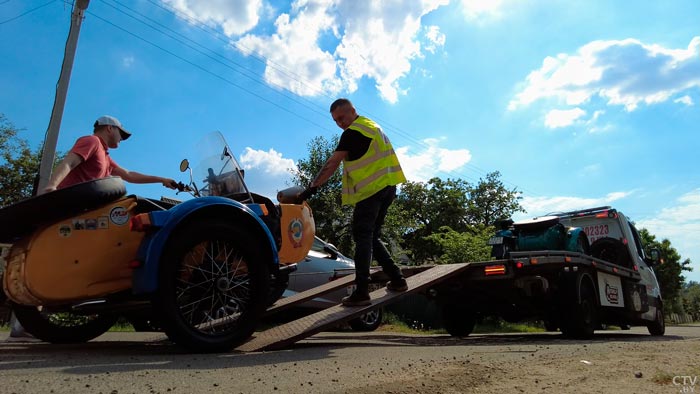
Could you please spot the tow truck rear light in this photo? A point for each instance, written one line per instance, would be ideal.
(635, 267)
(567, 259)
(519, 264)
(606, 214)
(140, 222)
(495, 270)
(534, 261)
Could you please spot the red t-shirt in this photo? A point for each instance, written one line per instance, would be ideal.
(96, 161)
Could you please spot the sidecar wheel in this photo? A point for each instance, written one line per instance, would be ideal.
(213, 286)
(26, 215)
(62, 327)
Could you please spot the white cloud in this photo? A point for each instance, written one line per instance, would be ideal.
(687, 100)
(435, 38)
(482, 10)
(538, 206)
(234, 16)
(680, 223)
(128, 61)
(328, 46)
(266, 172)
(562, 118)
(270, 162)
(421, 166)
(621, 72)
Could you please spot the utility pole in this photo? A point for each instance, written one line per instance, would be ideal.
(48, 153)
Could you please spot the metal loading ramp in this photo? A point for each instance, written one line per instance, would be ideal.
(286, 334)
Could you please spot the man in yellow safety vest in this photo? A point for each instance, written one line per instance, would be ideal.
(371, 172)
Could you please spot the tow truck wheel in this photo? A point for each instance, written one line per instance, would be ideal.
(62, 327)
(658, 326)
(213, 286)
(581, 317)
(459, 320)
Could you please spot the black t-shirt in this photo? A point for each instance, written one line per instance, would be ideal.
(354, 142)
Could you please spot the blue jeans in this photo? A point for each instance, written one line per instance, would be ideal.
(367, 221)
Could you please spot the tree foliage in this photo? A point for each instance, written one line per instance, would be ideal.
(490, 200)
(669, 272)
(19, 165)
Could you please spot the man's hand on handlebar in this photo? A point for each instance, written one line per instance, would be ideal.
(169, 183)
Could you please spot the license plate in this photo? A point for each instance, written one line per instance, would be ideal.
(495, 240)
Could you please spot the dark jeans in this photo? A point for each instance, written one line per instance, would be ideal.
(367, 221)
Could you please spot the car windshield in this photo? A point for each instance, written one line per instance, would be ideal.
(216, 169)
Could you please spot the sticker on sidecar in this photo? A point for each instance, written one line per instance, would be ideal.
(119, 216)
(103, 222)
(296, 232)
(64, 230)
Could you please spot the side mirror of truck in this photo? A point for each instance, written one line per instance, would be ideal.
(655, 256)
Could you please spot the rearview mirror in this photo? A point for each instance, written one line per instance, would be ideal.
(184, 165)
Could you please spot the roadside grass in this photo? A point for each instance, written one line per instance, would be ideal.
(393, 323)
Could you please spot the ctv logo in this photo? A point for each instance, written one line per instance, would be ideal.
(688, 383)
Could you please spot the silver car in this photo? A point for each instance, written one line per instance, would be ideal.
(325, 263)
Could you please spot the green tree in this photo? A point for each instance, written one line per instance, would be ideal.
(19, 165)
(462, 247)
(669, 271)
(691, 299)
(490, 201)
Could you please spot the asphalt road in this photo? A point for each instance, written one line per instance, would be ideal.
(115, 363)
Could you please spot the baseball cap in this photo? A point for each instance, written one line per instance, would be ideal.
(107, 120)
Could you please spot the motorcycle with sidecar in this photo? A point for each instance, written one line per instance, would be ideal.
(203, 270)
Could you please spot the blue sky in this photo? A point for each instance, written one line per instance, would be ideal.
(576, 103)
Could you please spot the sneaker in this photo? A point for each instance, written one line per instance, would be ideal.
(397, 285)
(357, 299)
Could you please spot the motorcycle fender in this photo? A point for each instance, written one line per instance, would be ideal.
(145, 278)
(572, 234)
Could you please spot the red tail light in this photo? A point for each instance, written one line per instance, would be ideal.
(495, 270)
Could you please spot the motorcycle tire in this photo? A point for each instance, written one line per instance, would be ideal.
(370, 321)
(28, 214)
(213, 286)
(62, 327)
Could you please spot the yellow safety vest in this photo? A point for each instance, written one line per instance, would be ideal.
(376, 169)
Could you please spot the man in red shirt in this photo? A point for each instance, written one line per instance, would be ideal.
(89, 159)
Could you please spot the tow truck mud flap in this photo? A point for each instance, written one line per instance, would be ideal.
(286, 334)
(610, 290)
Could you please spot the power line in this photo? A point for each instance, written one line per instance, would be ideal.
(387, 125)
(204, 69)
(26, 12)
(244, 71)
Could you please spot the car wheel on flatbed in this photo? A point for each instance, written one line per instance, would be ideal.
(62, 327)
(213, 286)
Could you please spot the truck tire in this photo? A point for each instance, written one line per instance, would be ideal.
(370, 321)
(213, 286)
(611, 250)
(62, 327)
(26, 215)
(458, 320)
(658, 326)
(580, 320)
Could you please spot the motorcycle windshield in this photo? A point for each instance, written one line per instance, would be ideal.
(216, 168)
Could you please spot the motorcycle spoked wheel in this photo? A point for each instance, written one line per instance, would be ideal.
(62, 327)
(213, 286)
(369, 321)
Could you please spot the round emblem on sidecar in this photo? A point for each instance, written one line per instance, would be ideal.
(119, 216)
(296, 232)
